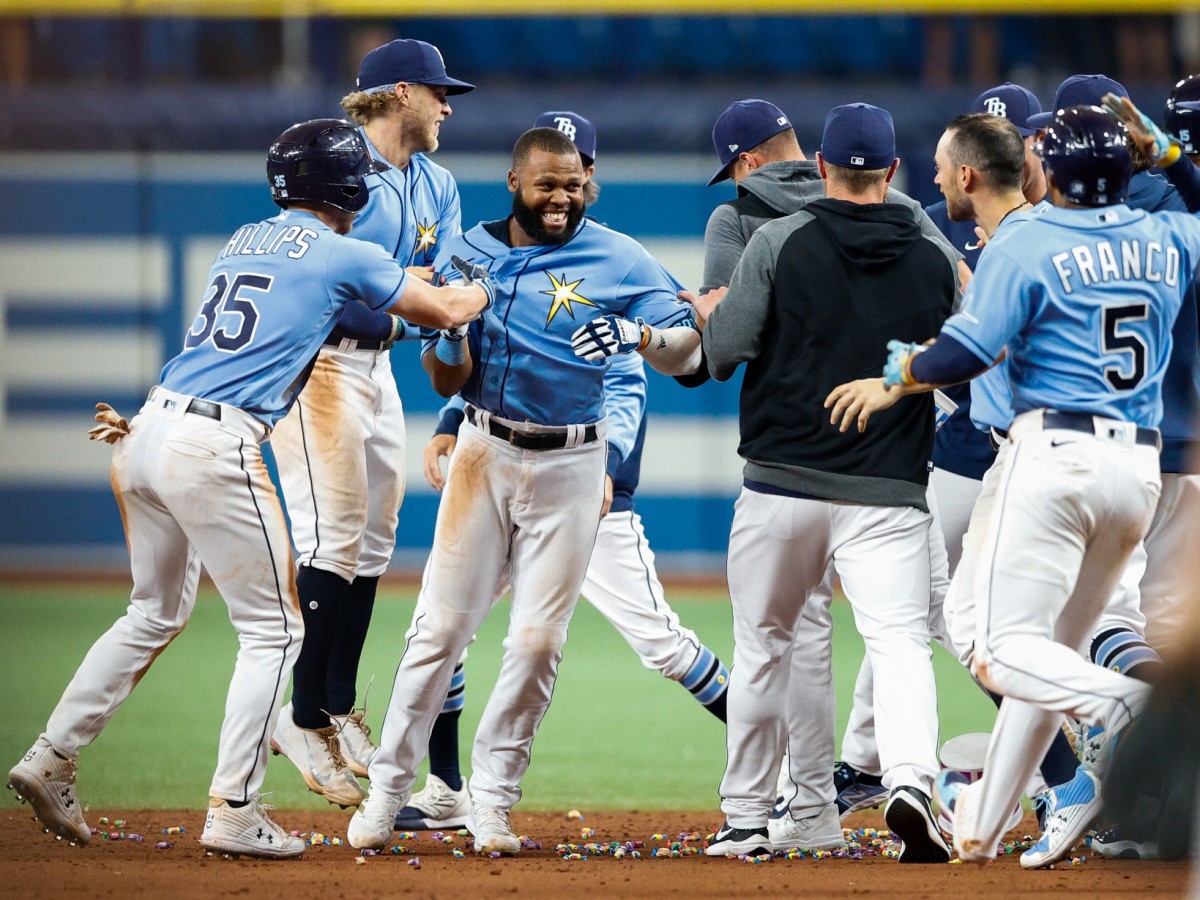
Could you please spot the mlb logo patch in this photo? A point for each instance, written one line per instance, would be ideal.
(857, 161)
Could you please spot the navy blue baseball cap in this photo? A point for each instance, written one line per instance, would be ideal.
(1078, 90)
(1009, 101)
(414, 62)
(743, 126)
(574, 126)
(859, 136)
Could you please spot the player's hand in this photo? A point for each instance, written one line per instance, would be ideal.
(602, 337)
(897, 369)
(425, 273)
(440, 445)
(608, 496)
(1151, 140)
(705, 303)
(477, 275)
(111, 425)
(857, 401)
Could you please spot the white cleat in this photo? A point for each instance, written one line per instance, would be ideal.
(316, 753)
(47, 781)
(435, 806)
(247, 831)
(820, 832)
(372, 824)
(354, 737)
(492, 830)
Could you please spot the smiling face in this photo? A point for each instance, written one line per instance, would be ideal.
(425, 110)
(548, 202)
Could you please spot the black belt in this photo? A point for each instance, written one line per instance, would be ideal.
(198, 407)
(334, 341)
(530, 441)
(997, 436)
(1086, 422)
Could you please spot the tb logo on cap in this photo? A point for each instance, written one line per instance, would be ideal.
(565, 125)
(996, 107)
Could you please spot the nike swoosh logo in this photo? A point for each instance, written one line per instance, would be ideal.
(1054, 443)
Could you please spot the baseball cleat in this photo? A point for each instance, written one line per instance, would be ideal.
(435, 806)
(46, 780)
(247, 831)
(1119, 843)
(371, 826)
(316, 753)
(856, 790)
(1072, 809)
(909, 817)
(739, 842)
(492, 830)
(354, 738)
(820, 832)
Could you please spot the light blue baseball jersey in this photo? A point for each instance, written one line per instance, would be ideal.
(1084, 300)
(274, 293)
(410, 212)
(991, 394)
(525, 368)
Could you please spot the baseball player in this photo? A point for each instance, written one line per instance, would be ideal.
(340, 451)
(812, 496)
(1182, 116)
(1083, 298)
(620, 581)
(525, 486)
(192, 487)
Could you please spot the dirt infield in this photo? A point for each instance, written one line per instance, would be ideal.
(34, 865)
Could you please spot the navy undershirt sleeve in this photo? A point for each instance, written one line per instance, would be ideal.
(1186, 177)
(947, 362)
(362, 323)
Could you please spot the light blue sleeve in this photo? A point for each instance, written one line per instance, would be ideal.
(651, 294)
(624, 401)
(996, 306)
(358, 270)
(451, 215)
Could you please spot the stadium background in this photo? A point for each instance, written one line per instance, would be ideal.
(132, 138)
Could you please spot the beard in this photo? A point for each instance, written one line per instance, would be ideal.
(960, 209)
(530, 221)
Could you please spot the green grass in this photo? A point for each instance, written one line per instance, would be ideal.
(617, 735)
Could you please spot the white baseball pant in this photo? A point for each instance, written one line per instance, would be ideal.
(779, 550)
(956, 496)
(1070, 508)
(340, 454)
(536, 511)
(193, 489)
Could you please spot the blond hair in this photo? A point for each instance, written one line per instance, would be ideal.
(362, 107)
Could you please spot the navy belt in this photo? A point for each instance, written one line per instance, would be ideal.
(197, 407)
(525, 440)
(334, 341)
(1086, 422)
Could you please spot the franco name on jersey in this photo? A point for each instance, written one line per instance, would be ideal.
(1101, 261)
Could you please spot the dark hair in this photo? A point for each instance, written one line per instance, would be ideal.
(989, 145)
(550, 140)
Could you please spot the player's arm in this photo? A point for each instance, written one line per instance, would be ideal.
(624, 405)
(735, 330)
(443, 442)
(723, 247)
(447, 360)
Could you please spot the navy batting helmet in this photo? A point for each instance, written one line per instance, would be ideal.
(1182, 117)
(321, 161)
(1087, 152)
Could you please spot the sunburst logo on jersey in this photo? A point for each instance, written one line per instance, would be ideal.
(563, 294)
(426, 236)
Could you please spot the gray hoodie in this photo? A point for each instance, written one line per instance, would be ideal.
(785, 188)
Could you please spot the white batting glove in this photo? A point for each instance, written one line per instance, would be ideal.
(111, 425)
(475, 274)
(607, 335)
(457, 333)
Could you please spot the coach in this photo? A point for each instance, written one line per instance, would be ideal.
(806, 305)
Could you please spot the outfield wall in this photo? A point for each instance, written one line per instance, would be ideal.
(103, 259)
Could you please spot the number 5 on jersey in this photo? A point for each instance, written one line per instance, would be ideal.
(227, 303)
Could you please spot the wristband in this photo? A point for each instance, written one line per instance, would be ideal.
(397, 333)
(645, 335)
(452, 353)
(1171, 156)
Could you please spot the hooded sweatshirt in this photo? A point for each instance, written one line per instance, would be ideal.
(769, 192)
(813, 302)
